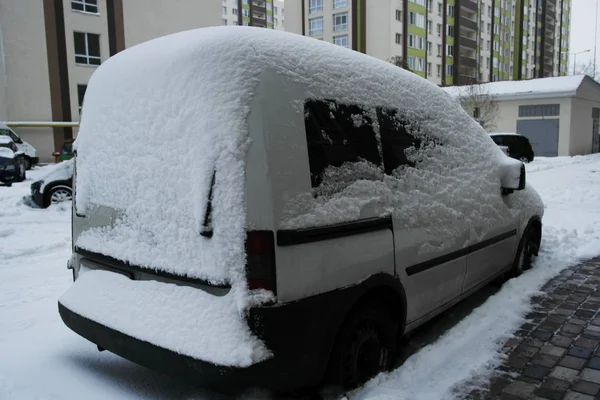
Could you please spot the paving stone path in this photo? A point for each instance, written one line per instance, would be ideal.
(556, 354)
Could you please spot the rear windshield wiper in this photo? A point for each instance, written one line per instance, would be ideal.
(206, 230)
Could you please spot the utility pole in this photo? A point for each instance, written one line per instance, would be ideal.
(596, 39)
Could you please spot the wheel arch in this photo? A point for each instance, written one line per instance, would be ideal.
(380, 288)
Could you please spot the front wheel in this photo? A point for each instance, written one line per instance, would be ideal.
(527, 251)
(364, 348)
(59, 194)
(22, 172)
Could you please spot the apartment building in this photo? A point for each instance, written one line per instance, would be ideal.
(49, 49)
(260, 13)
(450, 42)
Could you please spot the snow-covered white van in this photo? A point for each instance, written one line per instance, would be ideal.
(29, 152)
(311, 206)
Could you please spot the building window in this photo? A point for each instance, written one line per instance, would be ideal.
(224, 10)
(439, 48)
(429, 48)
(340, 4)
(80, 94)
(315, 26)
(341, 40)
(398, 38)
(398, 15)
(429, 27)
(87, 48)
(416, 19)
(234, 11)
(275, 10)
(428, 69)
(449, 70)
(451, 30)
(542, 110)
(90, 6)
(440, 8)
(340, 22)
(450, 50)
(439, 70)
(245, 12)
(223, 21)
(450, 10)
(315, 6)
(415, 41)
(419, 2)
(439, 29)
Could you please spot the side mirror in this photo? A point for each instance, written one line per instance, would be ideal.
(514, 179)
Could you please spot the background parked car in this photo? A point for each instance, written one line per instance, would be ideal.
(56, 187)
(519, 146)
(29, 152)
(66, 153)
(12, 162)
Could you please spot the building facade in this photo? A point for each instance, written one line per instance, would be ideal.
(49, 49)
(450, 42)
(260, 13)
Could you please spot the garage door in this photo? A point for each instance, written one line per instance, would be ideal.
(543, 135)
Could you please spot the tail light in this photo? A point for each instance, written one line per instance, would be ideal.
(260, 260)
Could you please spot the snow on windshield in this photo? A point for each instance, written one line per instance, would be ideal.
(6, 153)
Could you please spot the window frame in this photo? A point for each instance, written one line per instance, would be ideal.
(310, 27)
(342, 26)
(312, 8)
(85, 4)
(87, 55)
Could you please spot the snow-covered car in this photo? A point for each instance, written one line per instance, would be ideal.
(29, 152)
(12, 162)
(313, 206)
(56, 187)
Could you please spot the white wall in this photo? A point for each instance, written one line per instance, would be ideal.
(588, 97)
(76, 21)
(293, 16)
(3, 81)
(509, 114)
(382, 28)
(145, 20)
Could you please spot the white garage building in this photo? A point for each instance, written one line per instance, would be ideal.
(559, 115)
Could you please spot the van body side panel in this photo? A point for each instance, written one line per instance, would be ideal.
(431, 278)
(491, 255)
(321, 266)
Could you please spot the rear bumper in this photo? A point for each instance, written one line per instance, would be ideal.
(298, 334)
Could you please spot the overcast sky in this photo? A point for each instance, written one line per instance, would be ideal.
(583, 23)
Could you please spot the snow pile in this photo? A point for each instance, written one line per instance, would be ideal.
(565, 85)
(60, 172)
(6, 153)
(169, 316)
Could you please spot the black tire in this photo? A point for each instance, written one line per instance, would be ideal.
(365, 346)
(27, 163)
(22, 172)
(50, 191)
(528, 249)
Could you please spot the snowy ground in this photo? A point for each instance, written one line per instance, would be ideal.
(42, 359)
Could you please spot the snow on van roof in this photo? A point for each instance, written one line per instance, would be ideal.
(542, 87)
(5, 139)
(177, 108)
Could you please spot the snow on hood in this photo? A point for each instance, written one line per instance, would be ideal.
(6, 153)
(60, 172)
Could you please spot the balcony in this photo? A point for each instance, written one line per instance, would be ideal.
(259, 16)
(467, 42)
(468, 23)
(469, 4)
(259, 3)
(468, 61)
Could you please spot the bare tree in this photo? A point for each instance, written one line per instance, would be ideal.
(398, 61)
(480, 104)
(587, 69)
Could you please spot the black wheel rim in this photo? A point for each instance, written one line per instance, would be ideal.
(529, 249)
(365, 357)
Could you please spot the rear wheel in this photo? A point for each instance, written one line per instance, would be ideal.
(528, 249)
(364, 347)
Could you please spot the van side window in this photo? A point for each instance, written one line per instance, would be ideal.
(396, 139)
(337, 134)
